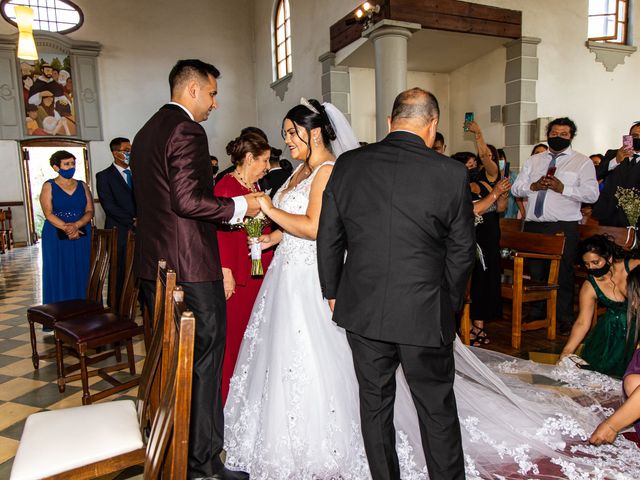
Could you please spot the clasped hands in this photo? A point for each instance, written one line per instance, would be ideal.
(548, 183)
(257, 202)
(72, 230)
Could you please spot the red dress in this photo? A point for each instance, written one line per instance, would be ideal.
(234, 254)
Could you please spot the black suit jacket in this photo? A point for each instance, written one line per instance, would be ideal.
(626, 175)
(404, 216)
(274, 180)
(117, 200)
(173, 186)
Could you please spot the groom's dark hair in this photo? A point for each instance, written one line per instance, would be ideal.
(184, 70)
(417, 104)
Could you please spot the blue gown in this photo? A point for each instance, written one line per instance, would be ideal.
(65, 263)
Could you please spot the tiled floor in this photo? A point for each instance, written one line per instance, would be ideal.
(23, 390)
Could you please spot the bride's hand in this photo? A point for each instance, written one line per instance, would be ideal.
(266, 241)
(265, 204)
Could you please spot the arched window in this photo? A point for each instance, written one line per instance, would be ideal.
(282, 37)
(60, 16)
(608, 21)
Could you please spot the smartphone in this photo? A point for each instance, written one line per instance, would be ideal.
(551, 171)
(468, 118)
(506, 169)
(627, 142)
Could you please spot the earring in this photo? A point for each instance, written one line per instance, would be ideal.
(316, 142)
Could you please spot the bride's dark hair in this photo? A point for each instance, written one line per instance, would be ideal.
(308, 119)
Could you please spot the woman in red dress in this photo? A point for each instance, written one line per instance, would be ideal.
(250, 155)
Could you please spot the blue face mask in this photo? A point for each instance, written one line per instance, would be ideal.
(67, 173)
(127, 157)
(501, 165)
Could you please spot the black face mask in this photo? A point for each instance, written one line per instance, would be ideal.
(558, 144)
(600, 272)
(636, 144)
(215, 170)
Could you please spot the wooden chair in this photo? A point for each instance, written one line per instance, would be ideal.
(84, 333)
(511, 225)
(3, 234)
(524, 245)
(103, 258)
(8, 229)
(96, 440)
(465, 317)
(620, 235)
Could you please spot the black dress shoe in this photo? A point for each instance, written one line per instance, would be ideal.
(227, 474)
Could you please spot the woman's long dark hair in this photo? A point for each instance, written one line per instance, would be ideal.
(602, 245)
(633, 305)
(308, 119)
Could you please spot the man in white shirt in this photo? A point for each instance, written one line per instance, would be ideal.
(556, 183)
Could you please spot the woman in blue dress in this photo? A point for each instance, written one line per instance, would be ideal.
(66, 236)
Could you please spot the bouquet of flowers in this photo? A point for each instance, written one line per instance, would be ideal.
(254, 226)
(629, 201)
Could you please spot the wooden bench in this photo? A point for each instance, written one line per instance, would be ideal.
(524, 245)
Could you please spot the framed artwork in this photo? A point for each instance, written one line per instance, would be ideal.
(47, 86)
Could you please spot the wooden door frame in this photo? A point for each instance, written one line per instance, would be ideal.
(32, 235)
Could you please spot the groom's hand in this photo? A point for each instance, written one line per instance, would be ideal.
(253, 207)
(332, 304)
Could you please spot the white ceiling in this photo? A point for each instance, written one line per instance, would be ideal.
(428, 51)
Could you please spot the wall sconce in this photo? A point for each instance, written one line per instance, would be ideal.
(26, 43)
(364, 14)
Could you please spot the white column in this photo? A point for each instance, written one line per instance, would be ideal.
(389, 39)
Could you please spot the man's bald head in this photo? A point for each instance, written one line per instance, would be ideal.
(415, 106)
(416, 111)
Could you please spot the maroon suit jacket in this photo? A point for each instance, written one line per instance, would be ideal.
(176, 209)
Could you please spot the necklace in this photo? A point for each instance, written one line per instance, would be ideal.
(242, 181)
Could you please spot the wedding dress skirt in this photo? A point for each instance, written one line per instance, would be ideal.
(293, 410)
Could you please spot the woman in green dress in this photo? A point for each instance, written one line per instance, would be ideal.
(606, 347)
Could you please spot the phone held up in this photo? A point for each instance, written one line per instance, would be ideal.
(627, 142)
(468, 118)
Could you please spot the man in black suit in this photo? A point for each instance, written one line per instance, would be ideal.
(276, 176)
(177, 212)
(115, 191)
(620, 168)
(405, 213)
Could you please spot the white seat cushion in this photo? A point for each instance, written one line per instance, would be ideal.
(59, 440)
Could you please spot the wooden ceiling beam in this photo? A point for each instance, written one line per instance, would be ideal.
(448, 15)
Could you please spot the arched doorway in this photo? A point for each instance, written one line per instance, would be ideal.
(36, 170)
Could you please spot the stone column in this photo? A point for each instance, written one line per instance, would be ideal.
(389, 39)
(336, 85)
(521, 109)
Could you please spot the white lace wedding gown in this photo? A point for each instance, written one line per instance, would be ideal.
(292, 412)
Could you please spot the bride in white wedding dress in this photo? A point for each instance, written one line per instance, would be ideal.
(293, 413)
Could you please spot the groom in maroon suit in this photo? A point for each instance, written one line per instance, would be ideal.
(176, 219)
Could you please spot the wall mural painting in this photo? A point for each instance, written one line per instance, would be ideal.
(48, 96)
